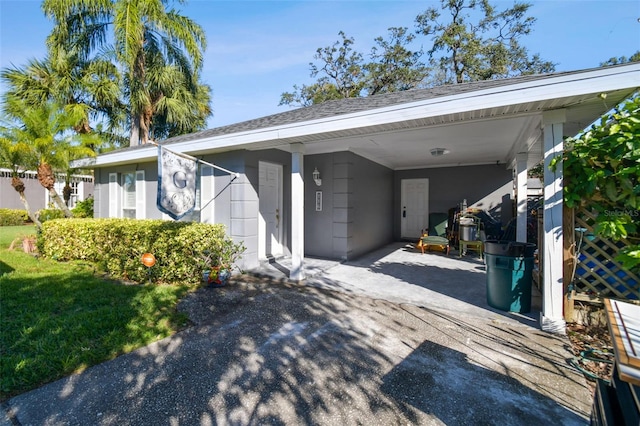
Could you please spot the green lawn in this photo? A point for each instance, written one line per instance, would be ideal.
(59, 318)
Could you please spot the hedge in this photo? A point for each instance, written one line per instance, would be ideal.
(13, 217)
(117, 246)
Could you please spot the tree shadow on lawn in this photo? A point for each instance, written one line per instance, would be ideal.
(264, 352)
(5, 269)
(53, 325)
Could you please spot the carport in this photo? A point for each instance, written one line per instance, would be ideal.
(516, 123)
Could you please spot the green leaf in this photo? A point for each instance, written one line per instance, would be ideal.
(611, 190)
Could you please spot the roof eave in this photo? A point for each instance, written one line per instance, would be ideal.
(600, 80)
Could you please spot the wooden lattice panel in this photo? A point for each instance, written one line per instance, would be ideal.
(597, 272)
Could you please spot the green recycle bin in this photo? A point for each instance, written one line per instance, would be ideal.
(509, 275)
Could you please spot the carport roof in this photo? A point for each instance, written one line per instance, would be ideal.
(353, 105)
(484, 122)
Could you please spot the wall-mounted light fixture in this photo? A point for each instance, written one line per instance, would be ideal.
(438, 152)
(316, 177)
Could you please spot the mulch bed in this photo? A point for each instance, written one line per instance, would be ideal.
(591, 343)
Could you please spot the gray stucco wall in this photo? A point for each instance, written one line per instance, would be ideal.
(319, 227)
(35, 194)
(372, 202)
(487, 187)
(242, 202)
(360, 198)
(357, 206)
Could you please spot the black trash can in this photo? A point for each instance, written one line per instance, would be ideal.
(509, 275)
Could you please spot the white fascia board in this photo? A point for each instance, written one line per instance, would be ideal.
(124, 157)
(572, 84)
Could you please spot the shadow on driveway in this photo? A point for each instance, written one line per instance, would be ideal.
(266, 352)
(402, 274)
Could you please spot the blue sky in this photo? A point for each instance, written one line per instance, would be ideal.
(259, 49)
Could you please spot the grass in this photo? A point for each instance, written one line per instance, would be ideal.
(60, 318)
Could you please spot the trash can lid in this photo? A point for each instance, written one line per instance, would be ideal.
(509, 248)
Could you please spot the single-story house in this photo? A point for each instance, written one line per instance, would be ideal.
(37, 196)
(344, 177)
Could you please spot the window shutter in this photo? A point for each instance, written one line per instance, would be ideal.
(114, 195)
(205, 199)
(140, 195)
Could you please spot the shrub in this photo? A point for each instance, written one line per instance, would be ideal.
(83, 209)
(50, 214)
(13, 217)
(117, 245)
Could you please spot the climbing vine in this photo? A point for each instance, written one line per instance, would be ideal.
(601, 168)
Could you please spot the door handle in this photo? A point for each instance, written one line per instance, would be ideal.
(277, 218)
(404, 212)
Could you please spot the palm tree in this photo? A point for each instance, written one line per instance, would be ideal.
(48, 130)
(70, 151)
(13, 155)
(91, 86)
(146, 37)
(177, 109)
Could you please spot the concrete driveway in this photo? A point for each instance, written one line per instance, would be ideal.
(359, 344)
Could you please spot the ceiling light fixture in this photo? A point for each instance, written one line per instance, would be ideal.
(438, 152)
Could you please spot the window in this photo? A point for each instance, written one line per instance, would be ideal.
(129, 195)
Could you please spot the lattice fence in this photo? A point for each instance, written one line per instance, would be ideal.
(597, 273)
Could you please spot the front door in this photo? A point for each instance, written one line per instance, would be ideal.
(414, 214)
(270, 220)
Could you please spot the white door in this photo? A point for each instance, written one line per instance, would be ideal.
(270, 220)
(414, 213)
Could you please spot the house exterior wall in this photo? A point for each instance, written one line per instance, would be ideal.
(36, 195)
(372, 203)
(244, 200)
(235, 200)
(357, 206)
(360, 199)
(487, 187)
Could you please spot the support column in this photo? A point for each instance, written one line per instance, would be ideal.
(297, 212)
(551, 317)
(521, 200)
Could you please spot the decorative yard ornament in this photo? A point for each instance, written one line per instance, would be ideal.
(148, 260)
(177, 177)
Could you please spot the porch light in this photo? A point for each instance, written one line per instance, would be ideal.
(439, 152)
(316, 177)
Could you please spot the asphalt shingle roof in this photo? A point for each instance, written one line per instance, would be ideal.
(353, 105)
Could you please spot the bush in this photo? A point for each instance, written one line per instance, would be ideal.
(50, 214)
(117, 245)
(13, 217)
(83, 209)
